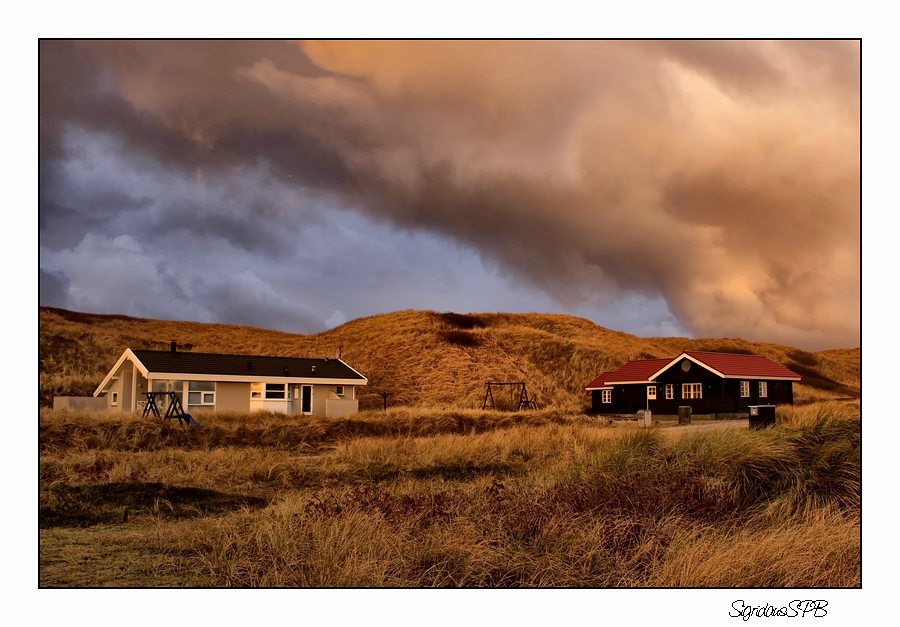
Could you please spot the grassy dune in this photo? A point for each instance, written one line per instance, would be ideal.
(430, 497)
(426, 359)
(436, 492)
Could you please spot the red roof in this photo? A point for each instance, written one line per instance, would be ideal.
(755, 366)
(727, 364)
(632, 371)
(598, 382)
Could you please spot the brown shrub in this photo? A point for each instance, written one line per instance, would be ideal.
(462, 321)
(461, 338)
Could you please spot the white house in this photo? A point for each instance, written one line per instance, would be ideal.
(240, 383)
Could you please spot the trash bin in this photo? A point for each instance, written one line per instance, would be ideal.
(762, 416)
(684, 414)
(645, 417)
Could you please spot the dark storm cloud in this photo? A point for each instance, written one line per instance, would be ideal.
(216, 130)
(247, 301)
(68, 211)
(720, 176)
(53, 289)
(182, 103)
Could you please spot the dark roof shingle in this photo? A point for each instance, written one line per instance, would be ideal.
(245, 365)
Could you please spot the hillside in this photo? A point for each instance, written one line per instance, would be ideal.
(420, 357)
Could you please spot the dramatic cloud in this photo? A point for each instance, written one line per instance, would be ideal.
(718, 181)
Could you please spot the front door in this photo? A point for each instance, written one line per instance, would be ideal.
(306, 399)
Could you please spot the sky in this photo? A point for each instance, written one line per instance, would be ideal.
(698, 188)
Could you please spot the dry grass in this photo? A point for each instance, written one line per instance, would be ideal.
(819, 550)
(418, 498)
(435, 492)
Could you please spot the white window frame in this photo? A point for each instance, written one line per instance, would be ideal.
(651, 392)
(204, 402)
(339, 390)
(691, 390)
(670, 391)
(267, 391)
(606, 396)
(167, 385)
(257, 391)
(745, 389)
(763, 389)
(114, 400)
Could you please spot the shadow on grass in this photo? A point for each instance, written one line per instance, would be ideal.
(64, 505)
(462, 471)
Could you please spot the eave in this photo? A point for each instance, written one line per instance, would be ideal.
(234, 378)
(611, 383)
(112, 373)
(686, 356)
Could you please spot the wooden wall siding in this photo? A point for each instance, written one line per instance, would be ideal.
(719, 396)
(80, 403)
(139, 389)
(336, 408)
(597, 404)
(233, 397)
(115, 387)
(320, 395)
(125, 378)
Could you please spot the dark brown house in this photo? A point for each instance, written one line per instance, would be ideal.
(710, 383)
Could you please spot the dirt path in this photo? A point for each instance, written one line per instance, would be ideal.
(673, 430)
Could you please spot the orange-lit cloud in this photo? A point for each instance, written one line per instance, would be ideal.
(723, 176)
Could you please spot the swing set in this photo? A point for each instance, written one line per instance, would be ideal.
(174, 408)
(523, 401)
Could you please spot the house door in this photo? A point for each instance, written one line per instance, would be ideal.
(651, 396)
(306, 399)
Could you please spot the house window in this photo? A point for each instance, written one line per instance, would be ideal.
(651, 392)
(745, 389)
(691, 390)
(763, 389)
(670, 391)
(163, 385)
(339, 390)
(275, 390)
(115, 399)
(606, 396)
(201, 395)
